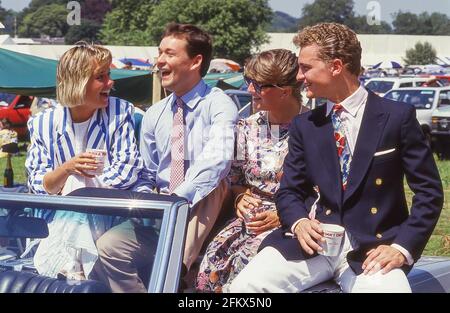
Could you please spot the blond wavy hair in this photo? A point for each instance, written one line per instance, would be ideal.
(275, 67)
(75, 68)
(335, 41)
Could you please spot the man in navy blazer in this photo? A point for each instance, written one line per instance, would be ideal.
(360, 187)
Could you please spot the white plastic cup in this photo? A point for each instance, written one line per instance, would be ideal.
(333, 235)
(100, 156)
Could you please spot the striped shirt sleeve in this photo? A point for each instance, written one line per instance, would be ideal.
(39, 161)
(126, 162)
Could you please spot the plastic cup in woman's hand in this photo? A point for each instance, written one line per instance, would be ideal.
(99, 159)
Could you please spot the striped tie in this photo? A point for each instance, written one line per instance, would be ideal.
(177, 151)
(343, 149)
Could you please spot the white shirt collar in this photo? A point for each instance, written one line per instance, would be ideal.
(353, 103)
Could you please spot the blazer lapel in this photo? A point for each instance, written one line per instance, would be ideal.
(64, 135)
(96, 132)
(325, 146)
(372, 126)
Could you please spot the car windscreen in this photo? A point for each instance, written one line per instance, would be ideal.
(243, 100)
(379, 86)
(420, 99)
(151, 220)
(6, 98)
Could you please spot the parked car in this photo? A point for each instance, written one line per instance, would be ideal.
(440, 127)
(243, 101)
(382, 85)
(16, 109)
(425, 99)
(168, 215)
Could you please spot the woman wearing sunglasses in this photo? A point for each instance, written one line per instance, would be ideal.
(262, 144)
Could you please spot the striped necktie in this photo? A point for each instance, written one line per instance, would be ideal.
(177, 150)
(343, 150)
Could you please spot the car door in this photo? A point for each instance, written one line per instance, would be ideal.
(166, 216)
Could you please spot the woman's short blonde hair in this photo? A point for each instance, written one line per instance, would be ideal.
(275, 67)
(75, 68)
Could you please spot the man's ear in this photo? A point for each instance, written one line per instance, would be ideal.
(197, 62)
(287, 92)
(337, 66)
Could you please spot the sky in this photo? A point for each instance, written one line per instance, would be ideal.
(294, 7)
(387, 7)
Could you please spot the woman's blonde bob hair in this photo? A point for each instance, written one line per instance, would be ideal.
(277, 67)
(75, 68)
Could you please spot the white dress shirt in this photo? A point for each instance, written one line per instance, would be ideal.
(210, 116)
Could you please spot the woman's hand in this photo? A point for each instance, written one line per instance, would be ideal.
(245, 203)
(54, 181)
(263, 221)
(81, 164)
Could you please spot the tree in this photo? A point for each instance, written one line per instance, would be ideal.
(95, 10)
(88, 31)
(126, 24)
(339, 11)
(34, 6)
(7, 19)
(420, 54)
(237, 26)
(360, 26)
(439, 24)
(406, 23)
(283, 23)
(50, 20)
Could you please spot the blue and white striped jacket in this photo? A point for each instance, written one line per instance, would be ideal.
(112, 129)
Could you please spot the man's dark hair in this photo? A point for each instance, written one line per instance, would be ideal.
(198, 42)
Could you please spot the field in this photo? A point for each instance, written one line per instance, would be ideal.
(439, 243)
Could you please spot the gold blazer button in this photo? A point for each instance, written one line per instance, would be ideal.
(374, 211)
(378, 181)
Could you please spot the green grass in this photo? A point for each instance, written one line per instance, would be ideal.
(18, 164)
(439, 243)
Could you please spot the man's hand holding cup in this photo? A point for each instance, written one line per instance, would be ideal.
(309, 233)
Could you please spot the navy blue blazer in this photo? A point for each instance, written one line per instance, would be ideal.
(373, 208)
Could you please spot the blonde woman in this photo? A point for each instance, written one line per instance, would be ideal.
(58, 162)
(262, 144)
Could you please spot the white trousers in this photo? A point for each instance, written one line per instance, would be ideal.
(269, 271)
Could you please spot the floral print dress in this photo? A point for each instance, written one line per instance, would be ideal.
(260, 152)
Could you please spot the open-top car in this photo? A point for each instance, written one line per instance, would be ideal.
(167, 215)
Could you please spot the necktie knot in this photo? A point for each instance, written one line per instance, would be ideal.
(337, 108)
(179, 102)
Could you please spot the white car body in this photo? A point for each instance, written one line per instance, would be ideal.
(381, 85)
(426, 100)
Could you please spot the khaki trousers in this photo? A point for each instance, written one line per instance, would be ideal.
(127, 247)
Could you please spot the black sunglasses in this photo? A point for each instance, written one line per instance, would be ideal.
(258, 87)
